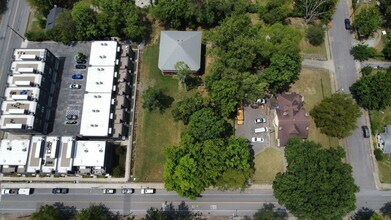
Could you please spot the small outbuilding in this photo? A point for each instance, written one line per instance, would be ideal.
(176, 46)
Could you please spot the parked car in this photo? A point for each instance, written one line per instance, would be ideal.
(75, 86)
(127, 191)
(257, 139)
(80, 66)
(261, 101)
(261, 130)
(148, 191)
(71, 122)
(77, 76)
(60, 191)
(71, 117)
(365, 131)
(348, 26)
(260, 120)
(9, 191)
(81, 61)
(108, 191)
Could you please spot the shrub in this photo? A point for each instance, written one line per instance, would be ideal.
(315, 35)
(36, 36)
(366, 70)
(379, 154)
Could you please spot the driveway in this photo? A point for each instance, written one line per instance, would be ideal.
(247, 129)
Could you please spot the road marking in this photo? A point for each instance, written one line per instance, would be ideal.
(145, 202)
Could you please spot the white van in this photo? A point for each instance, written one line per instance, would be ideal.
(26, 191)
(147, 191)
(261, 130)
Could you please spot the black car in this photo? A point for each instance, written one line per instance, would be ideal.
(348, 26)
(365, 131)
(80, 66)
(60, 191)
(81, 61)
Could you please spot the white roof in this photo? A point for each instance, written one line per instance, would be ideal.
(16, 121)
(50, 154)
(21, 93)
(20, 67)
(96, 114)
(28, 54)
(14, 152)
(90, 153)
(65, 159)
(100, 79)
(24, 80)
(103, 53)
(18, 107)
(35, 159)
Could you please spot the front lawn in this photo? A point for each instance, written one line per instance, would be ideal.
(385, 171)
(267, 164)
(379, 119)
(314, 85)
(154, 130)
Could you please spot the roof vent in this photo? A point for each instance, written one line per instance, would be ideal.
(100, 150)
(86, 150)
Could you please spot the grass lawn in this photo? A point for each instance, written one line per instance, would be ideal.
(385, 168)
(308, 50)
(154, 130)
(267, 164)
(379, 119)
(314, 85)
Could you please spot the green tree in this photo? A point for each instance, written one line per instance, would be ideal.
(206, 124)
(44, 6)
(46, 212)
(267, 213)
(155, 214)
(387, 47)
(183, 72)
(362, 52)
(187, 106)
(373, 92)
(315, 34)
(64, 28)
(85, 19)
(275, 11)
(367, 70)
(135, 23)
(284, 70)
(367, 20)
(156, 99)
(224, 94)
(336, 116)
(97, 212)
(316, 184)
(313, 9)
(385, 10)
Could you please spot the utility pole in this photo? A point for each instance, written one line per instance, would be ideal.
(16, 32)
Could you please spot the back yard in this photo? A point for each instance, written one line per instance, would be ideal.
(314, 85)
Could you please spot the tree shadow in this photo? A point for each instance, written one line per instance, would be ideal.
(386, 209)
(3, 6)
(182, 212)
(269, 210)
(192, 82)
(363, 214)
(66, 212)
(165, 102)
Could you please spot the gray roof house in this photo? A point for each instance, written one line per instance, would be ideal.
(384, 140)
(178, 46)
(51, 18)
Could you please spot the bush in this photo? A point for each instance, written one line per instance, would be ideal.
(363, 52)
(117, 172)
(315, 35)
(366, 70)
(36, 36)
(379, 154)
(375, 124)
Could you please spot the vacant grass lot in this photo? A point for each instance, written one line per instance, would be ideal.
(154, 130)
(379, 119)
(314, 85)
(267, 164)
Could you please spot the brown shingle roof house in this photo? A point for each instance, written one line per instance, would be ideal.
(291, 120)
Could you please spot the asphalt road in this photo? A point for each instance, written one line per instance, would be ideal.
(358, 148)
(212, 203)
(16, 16)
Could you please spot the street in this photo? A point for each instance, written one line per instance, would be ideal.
(358, 148)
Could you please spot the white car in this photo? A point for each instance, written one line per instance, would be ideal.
(260, 120)
(261, 130)
(261, 101)
(148, 191)
(257, 139)
(74, 86)
(108, 191)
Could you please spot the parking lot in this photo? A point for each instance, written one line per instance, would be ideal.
(247, 129)
(69, 101)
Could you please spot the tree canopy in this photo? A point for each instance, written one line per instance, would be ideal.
(367, 20)
(187, 106)
(317, 184)
(156, 99)
(362, 52)
(193, 166)
(336, 116)
(313, 9)
(373, 92)
(275, 11)
(98, 212)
